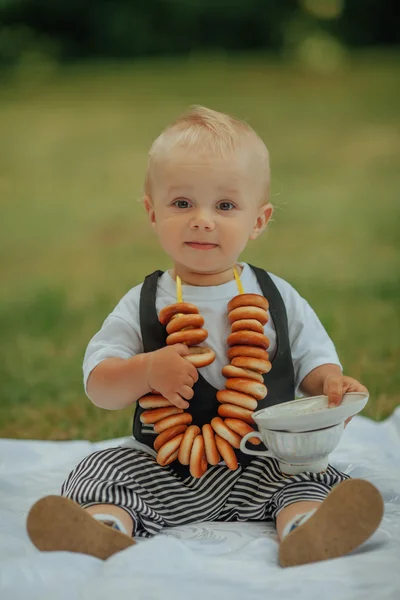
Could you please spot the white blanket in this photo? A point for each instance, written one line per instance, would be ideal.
(228, 561)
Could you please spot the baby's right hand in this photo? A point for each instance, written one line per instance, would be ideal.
(171, 375)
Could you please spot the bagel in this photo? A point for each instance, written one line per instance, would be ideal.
(169, 311)
(210, 447)
(179, 322)
(255, 364)
(153, 416)
(200, 356)
(168, 434)
(227, 453)
(198, 462)
(223, 431)
(248, 312)
(187, 443)
(232, 371)
(247, 351)
(179, 419)
(153, 401)
(230, 410)
(190, 337)
(247, 338)
(247, 386)
(247, 324)
(248, 300)
(237, 398)
(241, 428)
(169, 448)
(171, 459)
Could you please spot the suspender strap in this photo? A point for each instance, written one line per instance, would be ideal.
(153, 333)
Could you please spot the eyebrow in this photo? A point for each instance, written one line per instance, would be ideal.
(228, 191)
(220, 189)
(176, 188)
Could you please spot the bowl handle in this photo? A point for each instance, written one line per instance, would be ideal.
(256, 452)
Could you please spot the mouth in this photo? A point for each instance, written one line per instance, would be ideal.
(201, 245)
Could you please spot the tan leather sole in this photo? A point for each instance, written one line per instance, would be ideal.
(349, 516)
(57, 523)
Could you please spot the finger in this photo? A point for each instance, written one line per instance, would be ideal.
(181, 349)
(334, 392)
(188, 381)
(177, 400)
(347, 421)
(193, 372)
(356, 386)
(186, 392)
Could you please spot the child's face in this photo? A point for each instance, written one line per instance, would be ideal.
(205, 209)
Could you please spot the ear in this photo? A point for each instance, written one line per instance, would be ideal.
(148, 204)
(264, 215)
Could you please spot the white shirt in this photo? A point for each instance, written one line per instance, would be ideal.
(120, 335)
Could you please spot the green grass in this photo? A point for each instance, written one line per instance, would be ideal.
(74, 238)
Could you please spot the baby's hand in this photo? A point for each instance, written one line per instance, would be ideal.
(171, 375)
(335, 386)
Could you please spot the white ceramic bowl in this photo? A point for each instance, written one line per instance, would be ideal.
(297, 452)
(306, 414)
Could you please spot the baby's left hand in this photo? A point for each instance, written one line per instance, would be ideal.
(335, 386)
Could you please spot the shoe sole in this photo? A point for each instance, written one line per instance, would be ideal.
(55, 523)
(348, 517)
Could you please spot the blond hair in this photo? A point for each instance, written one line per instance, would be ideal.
(203, 130)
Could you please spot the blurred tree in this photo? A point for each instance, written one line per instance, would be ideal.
(71, 29)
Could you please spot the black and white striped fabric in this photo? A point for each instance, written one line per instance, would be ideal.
(157, 497)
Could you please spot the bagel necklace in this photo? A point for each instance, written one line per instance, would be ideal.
(176, 438)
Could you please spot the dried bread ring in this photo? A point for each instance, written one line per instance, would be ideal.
(234, 351)
(248, 300)
(168, 434)
(198, 462)
(223, 431)
(169, 448)
(171, 459)
(248, 325)
(200, 356)
(156, 414)
(248, 312)
(154, 401)
(247, 386)
(248, 338)
(191, 337)
(227, 453)
(169, 311)
(179, 322)
(181, 419)
(210, 447)
(255, 364)
(241, 428)
(187, 443)
(233, 371)
(237, 398)
(231, 410)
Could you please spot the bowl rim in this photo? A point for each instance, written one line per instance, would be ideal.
(308, 431)
(297, 401)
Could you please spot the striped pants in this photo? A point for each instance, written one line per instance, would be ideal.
(155, 497)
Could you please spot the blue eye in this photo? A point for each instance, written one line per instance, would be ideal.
(225, 205)
(181, 203)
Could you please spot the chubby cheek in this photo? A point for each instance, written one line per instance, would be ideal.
(236, 236)
(169, 235)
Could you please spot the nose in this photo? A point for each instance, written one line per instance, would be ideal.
(202, 220)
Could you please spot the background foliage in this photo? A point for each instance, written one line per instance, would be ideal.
(81, 101)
